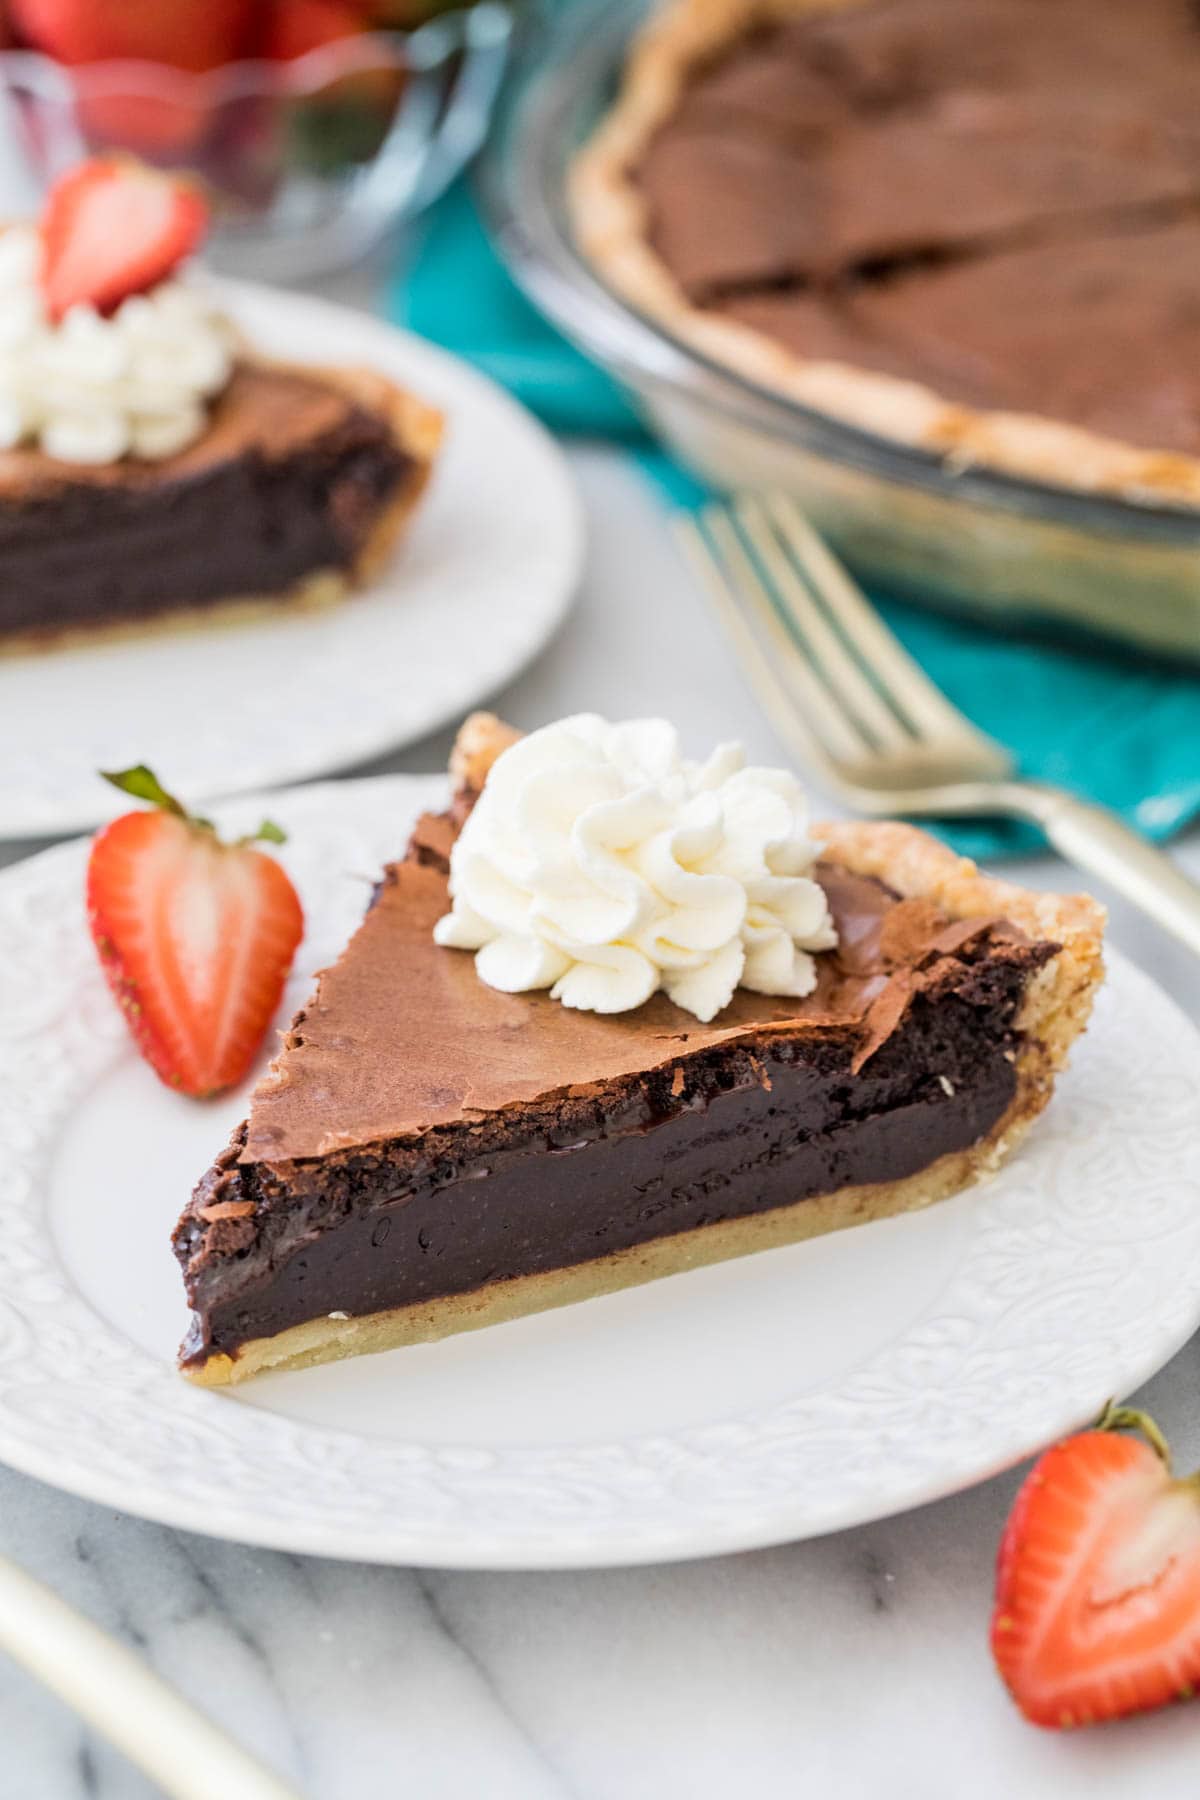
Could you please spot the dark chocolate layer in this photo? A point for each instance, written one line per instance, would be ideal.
(273, 507)
(999, 198)
(740, 1125)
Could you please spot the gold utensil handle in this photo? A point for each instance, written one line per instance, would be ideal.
(123, 1699)
(1095, 839)
(1091, 837)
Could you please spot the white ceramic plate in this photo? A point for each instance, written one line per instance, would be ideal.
(767, 1399)
(474, 591)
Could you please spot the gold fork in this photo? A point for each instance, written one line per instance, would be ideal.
(850, 701)
(119, 1695)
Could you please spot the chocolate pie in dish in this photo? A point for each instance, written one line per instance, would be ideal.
(155, 469)
(689, 1030)
(972, 226)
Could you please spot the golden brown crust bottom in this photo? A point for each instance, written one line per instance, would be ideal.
(416, 430)
(329, 1339)
(316, 593)
(612, 225)
(1054, 1011)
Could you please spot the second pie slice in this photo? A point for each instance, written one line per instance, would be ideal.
(429, 1154)
(296, 493)
(155, 468)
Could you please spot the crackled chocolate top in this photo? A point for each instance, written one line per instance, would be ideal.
(997, 198)
(402, 1037)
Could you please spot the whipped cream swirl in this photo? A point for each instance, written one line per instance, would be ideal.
(92, 389)
(599, 863)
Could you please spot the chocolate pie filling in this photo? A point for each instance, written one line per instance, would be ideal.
(466, 1136)
(998, 198)
(287, 482)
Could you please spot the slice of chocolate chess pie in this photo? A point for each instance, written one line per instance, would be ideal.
(155, 469)
(689, 1032)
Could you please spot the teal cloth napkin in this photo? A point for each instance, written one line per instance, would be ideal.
(1120, 731)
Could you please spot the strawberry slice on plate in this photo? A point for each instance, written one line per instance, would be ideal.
(196, 936)
(113, 228)
(1098, 1579)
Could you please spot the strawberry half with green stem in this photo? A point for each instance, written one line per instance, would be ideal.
(1098, 1578)
(195, 936)
(112, 228)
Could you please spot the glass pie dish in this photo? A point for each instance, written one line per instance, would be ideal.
(962, 537)
(306, 163)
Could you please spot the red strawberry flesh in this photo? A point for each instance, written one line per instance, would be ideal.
(297, 27)
(186, 34)
(112, 228)
(196, 938)
(1098, 1584)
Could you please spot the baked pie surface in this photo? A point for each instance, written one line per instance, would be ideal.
(971, 225)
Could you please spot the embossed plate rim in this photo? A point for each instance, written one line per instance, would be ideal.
(86, 1409)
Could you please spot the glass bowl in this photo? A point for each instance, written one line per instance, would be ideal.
(307, 163)
(962, 538)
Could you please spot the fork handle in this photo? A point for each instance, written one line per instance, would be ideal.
(1095, 839)
(181, 1750)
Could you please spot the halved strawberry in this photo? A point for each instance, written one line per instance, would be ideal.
(1098, 1579)
(112, 228)
(196, 936)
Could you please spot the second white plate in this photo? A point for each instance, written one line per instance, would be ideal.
(474, 591)
(771, 1398)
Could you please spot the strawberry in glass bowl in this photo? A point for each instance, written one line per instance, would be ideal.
(314, 125)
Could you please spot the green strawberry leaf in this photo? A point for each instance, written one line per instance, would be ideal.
(142, 783)
(268, 833)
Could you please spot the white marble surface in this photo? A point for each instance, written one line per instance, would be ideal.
(856, 1666)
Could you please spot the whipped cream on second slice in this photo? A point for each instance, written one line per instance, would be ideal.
(93, 390)
(599, 863)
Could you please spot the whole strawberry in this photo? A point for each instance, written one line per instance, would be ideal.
(196, 936)
(1098, 1579)
(293, 28)
(186, 34)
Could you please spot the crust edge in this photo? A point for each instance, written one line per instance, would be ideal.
(610, 220)
(417, 429)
